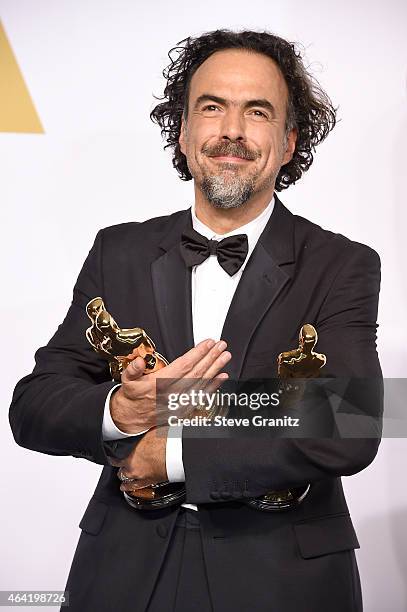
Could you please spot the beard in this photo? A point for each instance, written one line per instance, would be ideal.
(227, 190)
(230, 187)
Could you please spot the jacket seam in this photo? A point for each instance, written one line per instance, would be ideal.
(320, 517)
(337, 275)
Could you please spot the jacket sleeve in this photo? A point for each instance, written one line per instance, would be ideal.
(249, 467)
(58, 408)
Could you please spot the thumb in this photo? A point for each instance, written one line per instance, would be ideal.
(134, 370)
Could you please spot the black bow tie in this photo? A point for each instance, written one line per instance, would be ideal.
(231, 252)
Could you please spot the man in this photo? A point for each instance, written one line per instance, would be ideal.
(242, 117)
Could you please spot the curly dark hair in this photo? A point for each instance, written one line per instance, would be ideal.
(309, 108)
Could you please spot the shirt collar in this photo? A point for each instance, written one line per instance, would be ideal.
(253, 229)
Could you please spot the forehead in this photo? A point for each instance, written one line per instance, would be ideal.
(239, 74)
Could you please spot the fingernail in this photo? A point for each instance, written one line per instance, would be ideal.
(210, 343)
(221, 346)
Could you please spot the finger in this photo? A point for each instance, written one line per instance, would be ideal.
(134, 370)
(208, 385)
(184, 364)
(208, 388)
(124, 476)
(211, 385)
(213, 359)
(201, 395)
(211, 366)
(171, 378)
(205, 361)
(135, 486)
(185, 387)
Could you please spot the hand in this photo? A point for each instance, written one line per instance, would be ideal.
(134, 407)
(146, 462)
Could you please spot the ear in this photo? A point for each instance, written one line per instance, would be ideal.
(182, 136)
(290, 147)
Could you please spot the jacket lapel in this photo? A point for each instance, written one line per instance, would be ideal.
(266, 274)
(172, 292)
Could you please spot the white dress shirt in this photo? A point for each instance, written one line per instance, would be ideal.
(211, 286)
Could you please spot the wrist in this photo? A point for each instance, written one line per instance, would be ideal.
(119, 411)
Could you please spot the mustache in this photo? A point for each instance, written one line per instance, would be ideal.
(232, 149)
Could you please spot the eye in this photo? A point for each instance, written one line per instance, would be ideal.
(210, 107)
(259, 114)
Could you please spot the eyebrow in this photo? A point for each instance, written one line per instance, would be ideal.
(262, 102)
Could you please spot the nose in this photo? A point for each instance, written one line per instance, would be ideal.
(232, 126)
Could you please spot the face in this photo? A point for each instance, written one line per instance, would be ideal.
(234, 137)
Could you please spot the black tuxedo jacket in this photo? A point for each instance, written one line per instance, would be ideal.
(301, 560)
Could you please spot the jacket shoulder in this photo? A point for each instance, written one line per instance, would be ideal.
(310, 235)
(138, 236)
(130, 229)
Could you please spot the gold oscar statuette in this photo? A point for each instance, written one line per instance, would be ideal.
(120, 347)
(299, 363)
